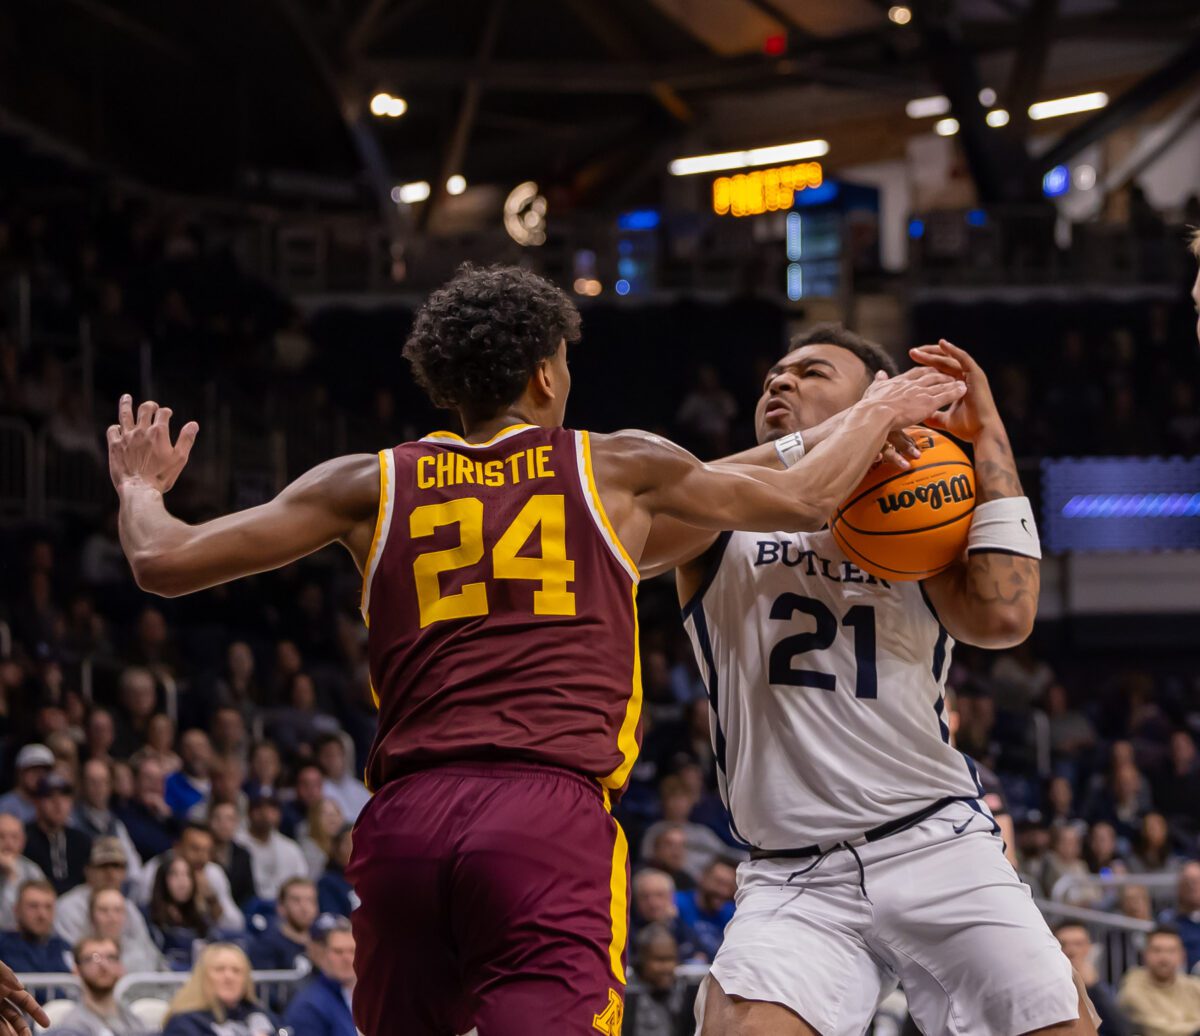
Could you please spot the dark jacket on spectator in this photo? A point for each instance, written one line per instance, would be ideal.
(240, 874)
(23, 954)
(272, 950)
(1113, 1021)
(645, 1008)
(241, 1021)
(71, 857)
(334, 891)
(151, 837)
(320, 1009)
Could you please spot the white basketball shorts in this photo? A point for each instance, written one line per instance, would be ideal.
(936, 908)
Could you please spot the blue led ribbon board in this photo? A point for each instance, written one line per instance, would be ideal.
(1121, 503)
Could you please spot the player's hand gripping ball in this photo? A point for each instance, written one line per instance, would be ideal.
(905, 525)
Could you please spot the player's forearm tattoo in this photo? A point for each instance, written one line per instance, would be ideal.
(1003, 580)
(995, 468)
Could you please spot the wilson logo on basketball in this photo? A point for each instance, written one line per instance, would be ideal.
(935, 494)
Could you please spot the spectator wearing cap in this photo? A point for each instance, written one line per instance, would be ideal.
(224, 822)
(273, 857)
(15, 867)
(107, 869)
(284, 941)
(1158, 998)
(189, 786)
(1184, 917)
(656, 1002)
(33, 763)
(335, 894)
(195, 845)
(151, 824)
(33, 946)
(111, 915)
(93, 815)
(322, 1007)
(99, 966)
(347, 790)
(61, 851)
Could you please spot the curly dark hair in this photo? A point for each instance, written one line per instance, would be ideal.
(478, 339)
(873, 355)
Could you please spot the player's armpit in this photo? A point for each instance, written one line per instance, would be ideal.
(671, 543)
(988, 600)
(335, 501)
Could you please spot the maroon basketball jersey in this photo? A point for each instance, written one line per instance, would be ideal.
(500, 609)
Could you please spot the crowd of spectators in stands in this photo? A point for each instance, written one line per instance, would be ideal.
(180, 777)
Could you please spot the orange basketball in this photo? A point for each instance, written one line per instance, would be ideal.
(905, 525)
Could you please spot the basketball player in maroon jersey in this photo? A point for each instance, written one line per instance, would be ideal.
(499, 575)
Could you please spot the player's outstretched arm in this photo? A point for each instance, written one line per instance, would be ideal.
(990, 597)
(15, 1002)
(642, 476)
(335, 501)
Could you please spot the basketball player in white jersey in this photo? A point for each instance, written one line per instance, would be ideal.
(873, 858)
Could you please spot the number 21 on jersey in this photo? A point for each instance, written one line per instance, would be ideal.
(552, 569)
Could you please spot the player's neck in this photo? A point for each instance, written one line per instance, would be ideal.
(483, 430)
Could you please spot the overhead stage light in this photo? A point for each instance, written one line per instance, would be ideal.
(1068, 105)
(798, 152)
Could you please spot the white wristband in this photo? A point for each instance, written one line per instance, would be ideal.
(1004, 526)
(790, 448)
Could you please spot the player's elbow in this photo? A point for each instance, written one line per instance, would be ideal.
(1005, 627)
(810, 515)
(154, 573)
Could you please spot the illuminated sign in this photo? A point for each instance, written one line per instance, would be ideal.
(764, 190)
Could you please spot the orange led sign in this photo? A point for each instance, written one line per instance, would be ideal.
(764, 190)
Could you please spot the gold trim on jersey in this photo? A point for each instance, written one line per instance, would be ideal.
(583, 442)
(383, 522)
(627, 743)
(618, 884)
(458, 440)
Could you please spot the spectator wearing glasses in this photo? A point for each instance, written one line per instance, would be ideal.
(100, 1013)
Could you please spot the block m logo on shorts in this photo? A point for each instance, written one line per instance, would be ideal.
(608, 1021)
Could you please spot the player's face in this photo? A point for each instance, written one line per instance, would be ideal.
(808, 386)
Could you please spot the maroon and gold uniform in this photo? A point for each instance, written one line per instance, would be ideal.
(503, 652)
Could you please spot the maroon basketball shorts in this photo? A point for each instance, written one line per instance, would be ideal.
(493, 896)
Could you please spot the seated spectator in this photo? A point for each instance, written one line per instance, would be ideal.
(98, 735)
(33, 763)
(1184, 917)
(1076, 943)
(708, 908)
(285, 940)
(1159, 1000)
(66, 752)
(1060, 802)
(335, 894)
(218, 999)
(656, 1002)
(229, 735)
(654, 903)
(195, 845)
(299, 721)
(273, 857)
(1064, 859)
(228, 774)
(160, 743)
(146, 816)
(1177, 787)
(33, 946)
(238, 688)
(1153, 850)
(138, 697)
(15, 867)
(1100, 854)
(112, 917)
(1071, 732)
(325, 820)
(224, 822)
(107, 868)
(266, 770)
(309, 790)
(322, 1006)
(344, 787)
(668, 852)
(99, 967)
(180, 911)
(189, 786)
(61, 851)
(1123, 802)
(677, 804)
(93, 815)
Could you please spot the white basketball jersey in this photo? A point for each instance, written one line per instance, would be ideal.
(826, 687)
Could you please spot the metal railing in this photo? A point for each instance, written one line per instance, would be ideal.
(1085, 889)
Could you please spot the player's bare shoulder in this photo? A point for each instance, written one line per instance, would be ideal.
(632, 460)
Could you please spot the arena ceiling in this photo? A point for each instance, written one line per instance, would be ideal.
(221, 97)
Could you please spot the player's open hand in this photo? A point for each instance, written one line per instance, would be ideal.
(967, 417)
(15, 1002)
(141, 448)
(914, 395)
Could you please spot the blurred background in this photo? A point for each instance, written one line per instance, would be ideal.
(235, 208)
